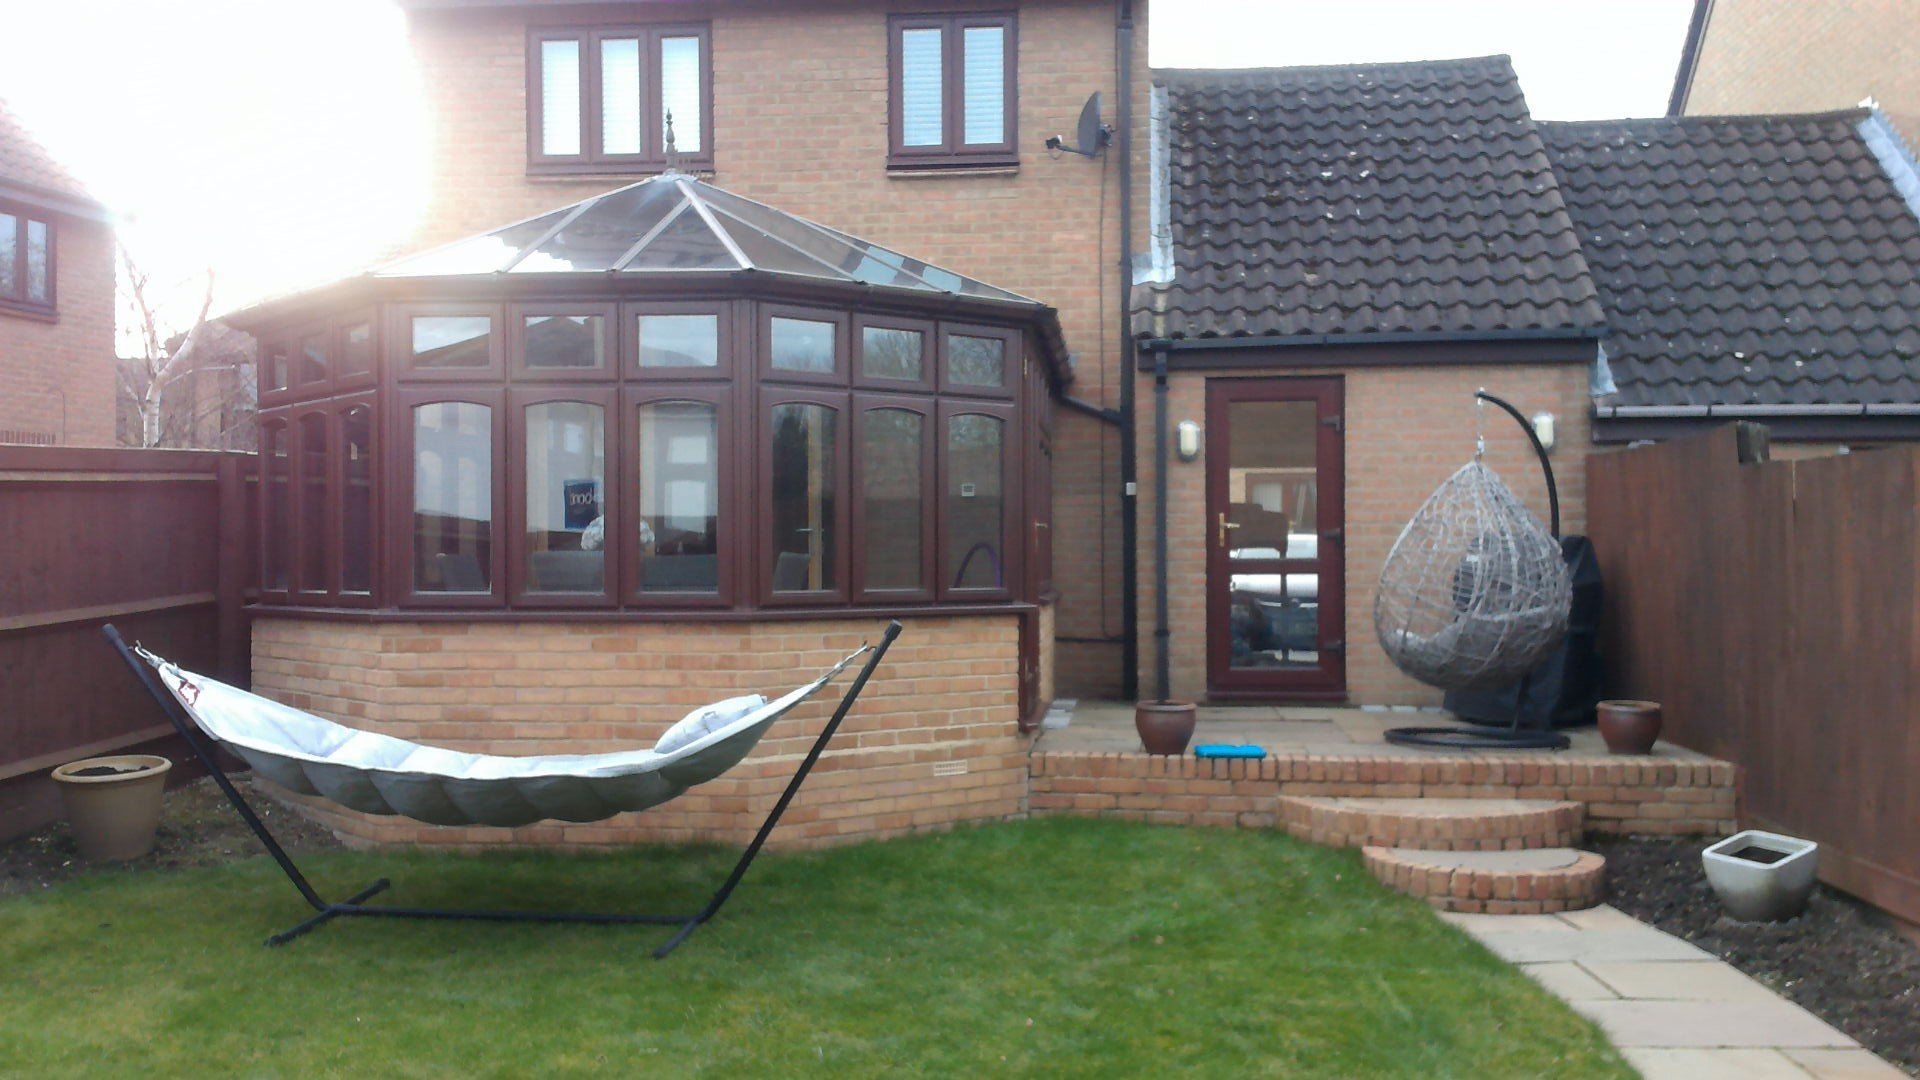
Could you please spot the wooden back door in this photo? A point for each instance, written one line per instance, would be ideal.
(1276, 565)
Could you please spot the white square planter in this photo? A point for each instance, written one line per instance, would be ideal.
(1762, 876)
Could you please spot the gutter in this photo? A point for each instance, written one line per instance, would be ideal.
(1123, 303)
(1412, 337)
(1693, 412)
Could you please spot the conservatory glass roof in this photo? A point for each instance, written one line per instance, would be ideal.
(673, 223)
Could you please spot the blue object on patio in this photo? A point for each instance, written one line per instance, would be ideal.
(1229, 750)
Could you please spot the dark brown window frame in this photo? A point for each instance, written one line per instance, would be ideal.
(741, 388)
(953, 152)
(520, 591)
(271, 539)
(399, 540)
(338, 519)
(19, 303)
(591, 161)
(523, 372)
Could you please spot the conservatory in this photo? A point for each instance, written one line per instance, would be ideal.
(664, 420)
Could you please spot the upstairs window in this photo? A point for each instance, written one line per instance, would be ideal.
(26, 263)
(599, 100)
(952, 99)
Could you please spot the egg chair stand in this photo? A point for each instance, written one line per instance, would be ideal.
(1521, 735)
(325, 911)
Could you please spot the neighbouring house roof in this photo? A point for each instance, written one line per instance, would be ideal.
(1383, 199)
(30, 175)
(1768, 261)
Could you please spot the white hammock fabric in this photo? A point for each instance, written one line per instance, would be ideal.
(380, 774)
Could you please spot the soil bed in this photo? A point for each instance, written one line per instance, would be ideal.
(198, 827)
(1841, 960)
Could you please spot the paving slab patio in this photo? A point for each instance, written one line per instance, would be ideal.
(1673, 1010)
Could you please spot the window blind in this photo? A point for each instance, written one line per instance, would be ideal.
(921, 107)
(680, 91)
(984, 99)
(560, 97)
(620, 96)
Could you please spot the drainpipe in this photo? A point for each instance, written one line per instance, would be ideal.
(1129, 466)
(1163, 663)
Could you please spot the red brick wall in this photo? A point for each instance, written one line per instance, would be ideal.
(1774, 56)
(933, 740)
(1407, 429)
(800, 122)
(57, 377)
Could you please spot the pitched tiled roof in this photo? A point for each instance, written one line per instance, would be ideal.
(1389, 198)
(1749, 260)
(25, 162)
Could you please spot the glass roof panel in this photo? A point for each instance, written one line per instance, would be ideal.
(769, 254)
(685, 244)
(478, 254)
(598, 238)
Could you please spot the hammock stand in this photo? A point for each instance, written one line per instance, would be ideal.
(326, 911)
(1529, 736)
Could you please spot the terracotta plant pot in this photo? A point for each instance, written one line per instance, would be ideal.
(1629, 727)
(113, 803)
(1165, 726)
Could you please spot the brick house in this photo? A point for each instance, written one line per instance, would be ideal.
(732, 330)
(56, 301)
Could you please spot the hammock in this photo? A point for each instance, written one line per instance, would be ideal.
(1475, 592)
(380, 774)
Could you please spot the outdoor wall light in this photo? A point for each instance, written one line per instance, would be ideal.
(1187, 440)
(1543, 429)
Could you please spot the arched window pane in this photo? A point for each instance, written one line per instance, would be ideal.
(274, 452)
(314, 516)
(803, 498)
(356, 500)
(566, 486)
(890, 490)
(975, 509)
(679, 481)
(453, 497)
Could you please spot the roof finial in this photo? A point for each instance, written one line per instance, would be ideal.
(673, 152)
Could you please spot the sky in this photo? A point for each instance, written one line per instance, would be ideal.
(281, 142)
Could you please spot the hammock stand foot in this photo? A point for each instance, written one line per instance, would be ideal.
(354, 906)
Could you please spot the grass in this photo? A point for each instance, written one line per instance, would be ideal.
(1063, 947)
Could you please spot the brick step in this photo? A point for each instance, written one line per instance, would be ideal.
(1437, 824)
(1531, 882)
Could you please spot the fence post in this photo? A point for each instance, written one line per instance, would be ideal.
(230, 584)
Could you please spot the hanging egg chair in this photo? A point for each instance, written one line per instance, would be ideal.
(1475, 592)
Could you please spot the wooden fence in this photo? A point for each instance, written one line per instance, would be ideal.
(155, 541)
(1770, 606)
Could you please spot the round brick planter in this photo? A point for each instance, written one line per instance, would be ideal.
(1493, 882)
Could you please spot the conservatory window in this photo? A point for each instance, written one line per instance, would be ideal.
(356, 499)
(893, 500)
(564, 341)
(566, 488)
(805, 498)
(452, 497)
(276, 532)
(888, 352)
(974, 515)
(313, 503)
(803, 345)
(678, 340)
(452, 341)
(679, 494)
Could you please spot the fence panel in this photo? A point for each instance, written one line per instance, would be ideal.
(1771, 607)
(155, 541)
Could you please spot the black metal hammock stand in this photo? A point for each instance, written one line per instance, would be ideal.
(1475, 594)
(356, 905)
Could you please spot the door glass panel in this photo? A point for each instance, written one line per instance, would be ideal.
(975, 507)
(453, 497)
(1273, 487)
(679, 497)
(564, 341)
(803, 498)
(356, 500)
(1275, 620)
(313, 503)
(566, 491)
(890, 490)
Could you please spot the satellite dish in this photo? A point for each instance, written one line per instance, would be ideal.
(1093, 135)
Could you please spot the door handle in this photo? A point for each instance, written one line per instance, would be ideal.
(1224, 526)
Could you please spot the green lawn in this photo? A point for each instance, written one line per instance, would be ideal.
(1063, 947)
